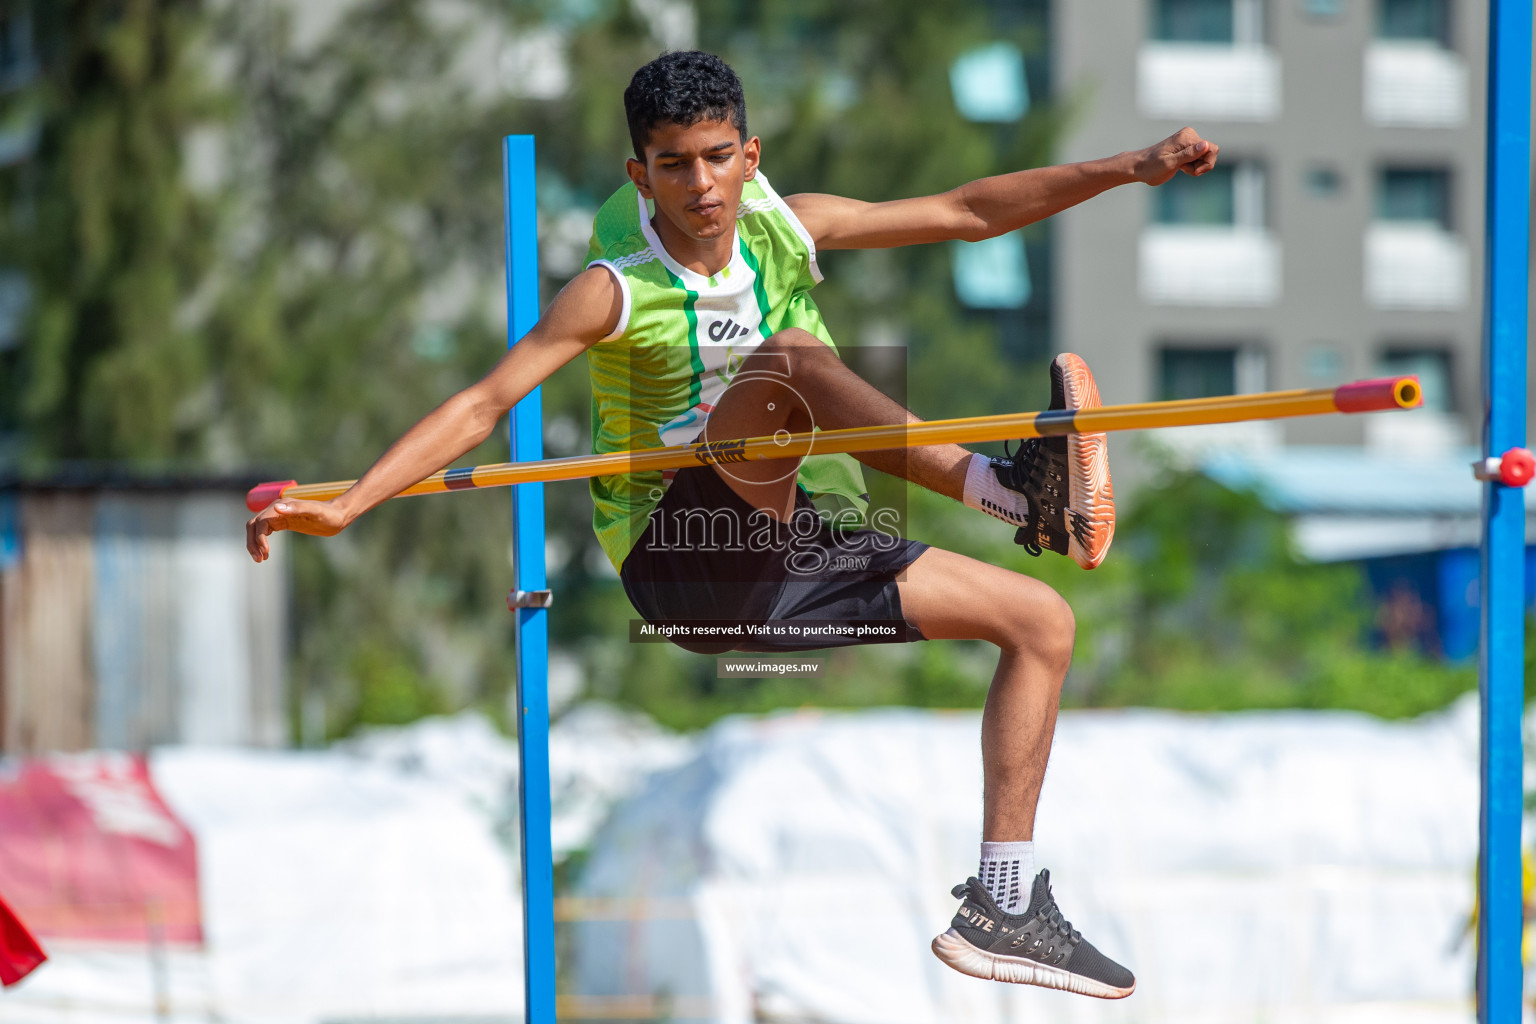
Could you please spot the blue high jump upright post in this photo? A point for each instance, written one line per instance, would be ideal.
(1502, 650)
(529, 601)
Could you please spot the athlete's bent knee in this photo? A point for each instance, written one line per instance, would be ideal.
(1050, 630)
(1064, 632)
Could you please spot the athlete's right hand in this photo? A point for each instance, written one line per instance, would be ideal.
(316, 518)
(1183, 151)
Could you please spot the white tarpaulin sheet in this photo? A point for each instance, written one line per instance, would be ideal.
(375, 881)
(1266, 867)
(1258, 867)
(331, 889)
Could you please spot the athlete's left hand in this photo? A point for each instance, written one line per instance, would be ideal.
(1183, 151)
(316, 518)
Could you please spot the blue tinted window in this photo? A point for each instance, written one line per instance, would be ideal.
(1196, 373)
(1425, 20)
(1414, 194)
(1192, 21)
(1207, 200)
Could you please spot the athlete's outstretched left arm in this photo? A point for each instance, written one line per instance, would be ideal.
(993, 206)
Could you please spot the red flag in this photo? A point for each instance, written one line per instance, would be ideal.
(20, 954)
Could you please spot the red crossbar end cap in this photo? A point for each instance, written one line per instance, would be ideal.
(262, 495)
(1379, 395)
(1516, 467)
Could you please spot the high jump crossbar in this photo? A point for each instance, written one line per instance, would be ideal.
(1362, 396)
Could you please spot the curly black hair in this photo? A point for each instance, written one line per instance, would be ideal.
(683, 87)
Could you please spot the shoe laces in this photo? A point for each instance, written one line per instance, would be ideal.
(1027, 461)
(1025, 466)
(1056, 922)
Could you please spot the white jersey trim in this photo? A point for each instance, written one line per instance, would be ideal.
(692, 279)
(618, 276)
(794, 222)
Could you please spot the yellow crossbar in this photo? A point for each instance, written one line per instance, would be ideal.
(1361, 396)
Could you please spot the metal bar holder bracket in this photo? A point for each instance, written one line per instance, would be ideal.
(529, 599)
(1512, 469)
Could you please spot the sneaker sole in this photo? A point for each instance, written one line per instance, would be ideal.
(952, 948)
(1092, 493)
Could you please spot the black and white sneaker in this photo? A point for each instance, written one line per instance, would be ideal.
(1065, 477)
(1037, 947)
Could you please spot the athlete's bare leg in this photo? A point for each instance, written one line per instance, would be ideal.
(951, 597)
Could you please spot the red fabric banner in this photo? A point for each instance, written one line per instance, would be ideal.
(89, 850)
(20, 954)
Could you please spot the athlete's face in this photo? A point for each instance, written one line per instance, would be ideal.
(695, 175)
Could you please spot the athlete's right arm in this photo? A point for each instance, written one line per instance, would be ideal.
(586, 311)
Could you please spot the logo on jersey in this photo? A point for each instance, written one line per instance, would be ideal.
(725, 330)
(717, 452)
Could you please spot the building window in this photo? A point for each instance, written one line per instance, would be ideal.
(1207, 59)
(1426, 21)
(1196, 373)
(989, 84)
(1209, 371)
(1192, 21)
(993, 273)
(1229, 22)
(1414, 196)
(1206, 244)
(1230, 195)
(1413, 79)
(1433, 367)
(1207, 200)
(1413, 260)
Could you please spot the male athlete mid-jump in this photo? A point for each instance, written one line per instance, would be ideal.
(695, 314)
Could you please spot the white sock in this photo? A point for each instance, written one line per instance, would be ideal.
(1007, 869)
(984, 493)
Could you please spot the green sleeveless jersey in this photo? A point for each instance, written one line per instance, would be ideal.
(680, 339)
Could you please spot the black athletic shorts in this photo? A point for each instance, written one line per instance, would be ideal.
(706, 555)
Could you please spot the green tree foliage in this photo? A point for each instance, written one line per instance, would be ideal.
(1222, 614)
(363, 286)
(334, 276)
(338, 273)
(115, 245)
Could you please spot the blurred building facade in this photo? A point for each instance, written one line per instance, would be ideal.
(1340, 237)
(129, 617)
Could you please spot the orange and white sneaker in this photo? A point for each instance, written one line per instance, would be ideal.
(1064, 475)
